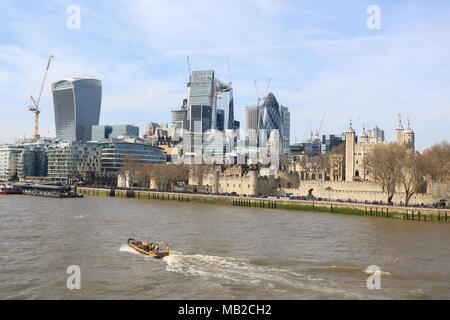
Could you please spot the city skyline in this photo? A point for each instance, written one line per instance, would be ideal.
(327, 62)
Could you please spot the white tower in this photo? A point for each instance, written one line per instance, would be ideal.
(349, 153)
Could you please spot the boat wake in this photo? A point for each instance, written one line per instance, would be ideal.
(243, 271)
(127, 248)
(229, 271)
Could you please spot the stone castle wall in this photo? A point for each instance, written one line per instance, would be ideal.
(366, 191)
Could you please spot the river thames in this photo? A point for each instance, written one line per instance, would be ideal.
(220, 252)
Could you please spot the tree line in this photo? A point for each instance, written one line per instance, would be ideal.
(165, 176)
(393, 166)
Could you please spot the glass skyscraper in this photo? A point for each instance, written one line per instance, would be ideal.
(77, 104)
(270, 115)
(200, 100)
(224, 101)
(106, 132)
(286, 120)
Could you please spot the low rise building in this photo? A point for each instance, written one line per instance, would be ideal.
(67, 160)
(33, 161)
(114, 151)
(9, 161)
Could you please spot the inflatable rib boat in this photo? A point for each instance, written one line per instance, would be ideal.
(150, 249)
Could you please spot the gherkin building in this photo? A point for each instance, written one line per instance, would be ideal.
(270, 115)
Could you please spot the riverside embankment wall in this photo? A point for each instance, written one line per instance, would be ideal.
(367, 191)
(417, 214)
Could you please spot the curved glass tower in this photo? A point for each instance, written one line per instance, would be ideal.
(77, 104)
(270, 115)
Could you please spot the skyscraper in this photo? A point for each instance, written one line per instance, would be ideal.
(286, 120)
(270, 116)
(224, 101)
(251, 117)
(77, 104)
(200, 99)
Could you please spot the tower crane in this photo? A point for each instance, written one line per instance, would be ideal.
(320, 127)
(34, 107)
(267, 89)
(258, 97)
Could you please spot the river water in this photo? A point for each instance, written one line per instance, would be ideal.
(220, 252)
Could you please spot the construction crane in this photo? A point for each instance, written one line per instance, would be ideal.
(320, 127)
(262, 97)
(34, 105)
(258, 97)
(315, 133)
(230, 80)
(267, 89)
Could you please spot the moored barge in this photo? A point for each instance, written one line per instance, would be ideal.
(48, 190)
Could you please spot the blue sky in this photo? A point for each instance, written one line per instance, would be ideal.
(320, 55)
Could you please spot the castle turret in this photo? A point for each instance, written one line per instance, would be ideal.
(349, 153)
(364, 137)
(408, 136)
(399, 131)
(254, 182)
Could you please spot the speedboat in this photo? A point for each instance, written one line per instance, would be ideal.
(150, 249)
(9, 189)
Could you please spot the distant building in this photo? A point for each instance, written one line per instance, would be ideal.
(113, 131)
(9, 161)
(251, 117)
(220, 122)
(286, 120)
(375, 135)
(357, 148)
(224, 101)
(155, 130)
(33, 161)
(270, 116)
(330, 141)
(67, 160)
(77, 104)
(113, 152)
(200, 103)
(179, 118)
(200, 120)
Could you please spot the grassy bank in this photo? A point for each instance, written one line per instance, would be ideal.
(416, 214)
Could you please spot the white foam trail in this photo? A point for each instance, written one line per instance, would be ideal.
(383, 273)
(127, 248)
(240, 270)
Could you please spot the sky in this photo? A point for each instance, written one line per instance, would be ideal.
(321, 57)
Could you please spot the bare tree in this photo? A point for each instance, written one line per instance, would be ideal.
(437, 160)
(178, 173)
(199, 171)
(383, 162)
(144, 174)
(411, 173)
(161, 176)
(129, 168)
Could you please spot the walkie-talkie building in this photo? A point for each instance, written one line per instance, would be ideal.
(77, 104)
